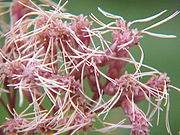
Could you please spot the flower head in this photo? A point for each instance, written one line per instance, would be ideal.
(50, 56)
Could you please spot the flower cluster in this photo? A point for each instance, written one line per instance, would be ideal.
(52, 57)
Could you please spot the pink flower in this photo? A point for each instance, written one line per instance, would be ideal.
(50, 58)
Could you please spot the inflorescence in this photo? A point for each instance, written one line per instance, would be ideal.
(54, 57)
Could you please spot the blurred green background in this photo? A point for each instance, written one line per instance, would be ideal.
(163, 54)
